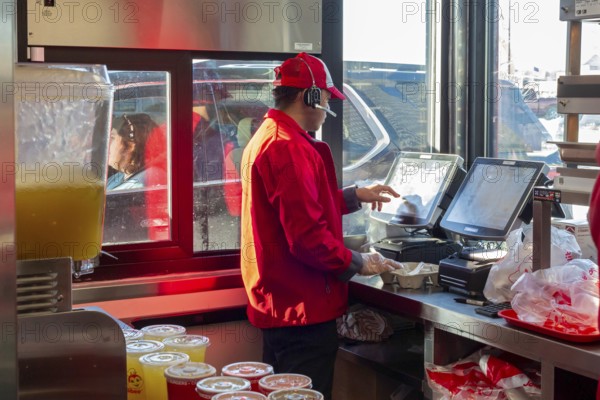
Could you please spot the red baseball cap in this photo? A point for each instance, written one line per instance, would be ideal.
(303, 71)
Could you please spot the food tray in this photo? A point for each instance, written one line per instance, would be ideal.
(579, 153)
(415, 281)
(511, 317)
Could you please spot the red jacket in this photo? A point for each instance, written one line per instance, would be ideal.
(292, 251)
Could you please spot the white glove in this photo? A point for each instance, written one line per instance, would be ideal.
(375, 263)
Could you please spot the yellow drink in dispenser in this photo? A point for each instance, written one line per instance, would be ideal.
(59, 213)
(192, 345)
(136, 383)
(154, 366)
(61, 154)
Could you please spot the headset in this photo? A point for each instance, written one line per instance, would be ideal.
(312, 95)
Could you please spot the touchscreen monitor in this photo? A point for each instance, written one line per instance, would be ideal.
(422, 180)
(491, 197)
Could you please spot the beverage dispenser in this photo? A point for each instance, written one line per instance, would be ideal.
(63, 115)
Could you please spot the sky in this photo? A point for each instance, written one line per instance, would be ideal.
(394, 31)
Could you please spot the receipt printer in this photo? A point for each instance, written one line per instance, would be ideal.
(464, 276)
(416, 249)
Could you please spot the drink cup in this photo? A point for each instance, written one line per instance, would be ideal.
(192, 345)
(154, 366)
(136, 385)
(161, 332)
(240, 395)
(253, 371)
(183, 378)
(209, 387)
(296, 394)
(272, 383)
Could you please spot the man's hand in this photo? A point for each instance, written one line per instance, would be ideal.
(375, 263)
(374, 194)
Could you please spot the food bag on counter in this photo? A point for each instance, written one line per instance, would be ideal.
(519, 260)
(562, 298)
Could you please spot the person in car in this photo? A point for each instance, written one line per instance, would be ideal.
(294, 264)
(127, 152)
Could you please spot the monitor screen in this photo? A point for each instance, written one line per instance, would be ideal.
(421, 179)
(491, 197)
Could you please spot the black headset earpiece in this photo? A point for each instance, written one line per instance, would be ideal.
(312, 95)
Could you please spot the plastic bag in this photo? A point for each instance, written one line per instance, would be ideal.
(504, 274)
(480, 376)
(364, 324)
(563, 298)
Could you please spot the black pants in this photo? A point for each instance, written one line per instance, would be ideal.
(308, 350)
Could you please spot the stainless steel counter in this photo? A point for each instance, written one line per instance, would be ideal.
(453, 330)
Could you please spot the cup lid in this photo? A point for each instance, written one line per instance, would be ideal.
(284, 381)
(187, 341)
(240, 395)
(190, 371)
(143, 346)
(295, 394)
(221, 384)
(249, 369)
(164, 359)
(132, 334)
(163, 330)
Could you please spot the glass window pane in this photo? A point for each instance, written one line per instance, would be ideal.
(385, 82)
(523, 94)
(230, 99)
(138, 207)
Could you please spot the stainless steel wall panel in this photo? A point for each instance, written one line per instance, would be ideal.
(253, 26)
(8, 275)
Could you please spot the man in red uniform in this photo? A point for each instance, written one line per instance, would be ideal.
(294, 264)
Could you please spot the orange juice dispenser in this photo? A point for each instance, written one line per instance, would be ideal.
(63, 115)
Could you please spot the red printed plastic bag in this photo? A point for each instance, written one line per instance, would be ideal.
(462, 380)
(506, 376)
(481, 376)
(504, 274)
(563, 298)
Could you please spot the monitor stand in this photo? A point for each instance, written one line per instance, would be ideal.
(417, 248)
(466, 272)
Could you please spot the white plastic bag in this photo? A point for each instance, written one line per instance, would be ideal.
(519, 260)
(563, 298)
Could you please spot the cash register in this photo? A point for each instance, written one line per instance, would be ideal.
(493, 199)
(427, 183)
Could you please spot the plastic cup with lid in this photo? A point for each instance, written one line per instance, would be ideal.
(183, 378)
(251, 370)
(296, 394)
(154, 366)
(240, 395)
(160, 332)
(272, 383)
(209, 387)
(132, 334)
(192, 345)
(136, 387)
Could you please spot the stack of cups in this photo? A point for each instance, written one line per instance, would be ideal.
(136, 385)
(160, 332)
(273, 383)
(253, 371)
(154, 366)
(192, 345)
(183, 378)
(296, 394)
(209, 387)
(240, 396)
